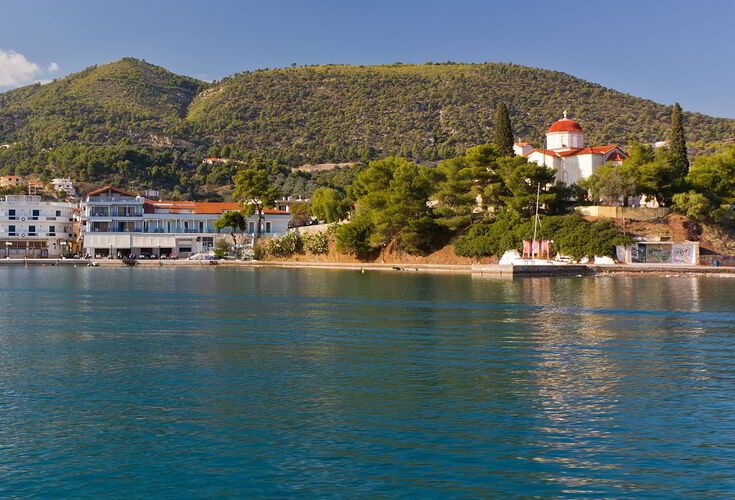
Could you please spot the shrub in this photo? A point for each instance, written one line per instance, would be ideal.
(354, 236)
(222, 248)
(572, 235)
(285, 245)
(316, 243)
(577, 238)
(260, 251)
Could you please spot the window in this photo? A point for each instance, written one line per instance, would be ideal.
(31, 230)
(251, 227)
(267, 226)
(11, 231)
(185, 250)
(11, 215)
(35, 214)
(52, 230)
(58, 213)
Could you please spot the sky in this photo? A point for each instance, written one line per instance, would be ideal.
(667, 51)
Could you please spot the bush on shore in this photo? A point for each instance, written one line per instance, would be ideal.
(354, 237)
(285, 246)
(316, 243)
(572, 236)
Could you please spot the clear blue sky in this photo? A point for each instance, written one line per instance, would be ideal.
(663, 50)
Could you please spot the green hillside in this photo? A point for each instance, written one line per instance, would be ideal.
(430, 111)
(125, 100)
(135, 123)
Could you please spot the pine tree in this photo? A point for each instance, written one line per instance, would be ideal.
(677, 142)
(503, 131)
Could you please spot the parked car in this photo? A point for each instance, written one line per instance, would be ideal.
(203, 256)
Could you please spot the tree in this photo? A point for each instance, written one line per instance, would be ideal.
(659, 179)
(503, 134)
(714, 176)
(255, 192)
(235, 221)
(692, 204)
(300, 214)
(455, 200)
(522, 179)
(354, 236)
(392, 193)
(329, 205)
(611, 183)
(677, 142)
(655, 175)
(469, 188)
(713, 196)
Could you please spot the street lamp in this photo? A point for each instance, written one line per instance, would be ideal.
(8, 244)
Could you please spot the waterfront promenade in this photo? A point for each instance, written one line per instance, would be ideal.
(475, 269)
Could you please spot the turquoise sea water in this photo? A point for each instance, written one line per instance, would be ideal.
(310, 383)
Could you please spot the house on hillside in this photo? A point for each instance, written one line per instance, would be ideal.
(566, 152)
(10, 181)
(64, 184)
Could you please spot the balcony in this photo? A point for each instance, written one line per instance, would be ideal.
(114, 230)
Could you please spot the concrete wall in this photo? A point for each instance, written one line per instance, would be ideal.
(636, 213)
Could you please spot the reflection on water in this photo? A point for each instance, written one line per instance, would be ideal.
(319, 383)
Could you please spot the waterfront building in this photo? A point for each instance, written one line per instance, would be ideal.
(31, 227)
(118, 222)
(565, 151)
(63, 184)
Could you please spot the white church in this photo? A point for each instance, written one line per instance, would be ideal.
(566, 152)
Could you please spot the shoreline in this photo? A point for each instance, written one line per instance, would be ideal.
(489, 270)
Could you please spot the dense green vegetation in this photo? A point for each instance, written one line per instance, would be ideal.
(711, 193)
(486, 198)
(139, 125)
(572, 235)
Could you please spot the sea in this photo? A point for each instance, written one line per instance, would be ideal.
(306, 383)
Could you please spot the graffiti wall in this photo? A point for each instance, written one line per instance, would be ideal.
(658, 254)
(662, 253)
(682, 254)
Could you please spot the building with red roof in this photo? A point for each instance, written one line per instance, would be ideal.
(565, 151)
(116, 222)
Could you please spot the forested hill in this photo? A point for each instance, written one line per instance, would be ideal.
(133, 120)
(426, 111)
(126, 100)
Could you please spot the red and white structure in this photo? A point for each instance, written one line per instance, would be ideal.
(567, 153)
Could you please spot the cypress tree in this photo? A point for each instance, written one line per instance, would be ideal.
(677, 142)
(503, 132)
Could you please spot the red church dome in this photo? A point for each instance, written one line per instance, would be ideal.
(565, 125)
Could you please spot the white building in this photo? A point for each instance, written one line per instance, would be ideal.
(117, 222)
(287, 203)
(64, 184)
(30, 227)
(567, 153)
